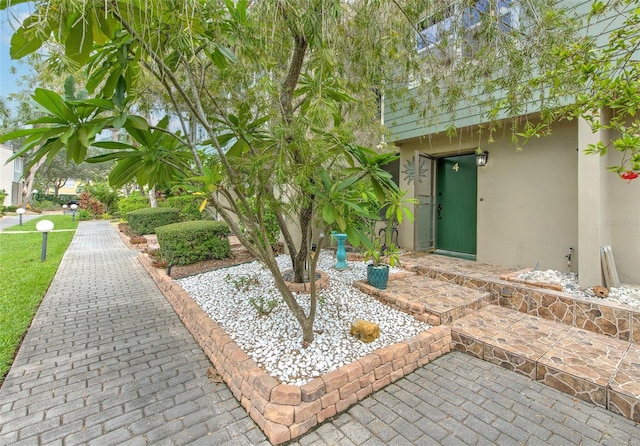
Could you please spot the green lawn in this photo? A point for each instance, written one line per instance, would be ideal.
(25, 279)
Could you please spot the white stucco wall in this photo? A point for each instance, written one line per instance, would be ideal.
(527, 202)
(623, 223)
(6, 173)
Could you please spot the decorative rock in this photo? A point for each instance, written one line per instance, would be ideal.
(364, 330)
(600, 291)
(274, 342)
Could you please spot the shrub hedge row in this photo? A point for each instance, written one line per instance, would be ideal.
(188, 206)
(132, 203)
(145, 221)
(193, 241)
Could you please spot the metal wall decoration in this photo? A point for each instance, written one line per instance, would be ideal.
(409, 170)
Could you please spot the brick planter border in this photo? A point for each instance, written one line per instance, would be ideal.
(285, 411)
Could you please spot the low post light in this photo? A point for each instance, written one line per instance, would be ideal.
(64, 208)
(44, 226)
(20, 211)
(74, 207)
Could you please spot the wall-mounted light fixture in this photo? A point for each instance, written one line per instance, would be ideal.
(481, 158)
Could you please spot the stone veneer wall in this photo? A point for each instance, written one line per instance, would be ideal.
(284, 411)
(610, 319)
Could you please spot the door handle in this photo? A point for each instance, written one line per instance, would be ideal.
(439, 211)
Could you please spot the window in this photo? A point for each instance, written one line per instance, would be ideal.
(70, 183)
(435, 29)
(462, 24)
(18, 169)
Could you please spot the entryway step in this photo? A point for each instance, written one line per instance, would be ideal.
(596, 368)
(429, 300)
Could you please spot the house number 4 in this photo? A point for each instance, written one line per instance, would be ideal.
(456, 167)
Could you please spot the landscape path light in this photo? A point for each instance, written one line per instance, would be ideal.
(20, 211)
(44, 226)
(73, 211)
(64, 208)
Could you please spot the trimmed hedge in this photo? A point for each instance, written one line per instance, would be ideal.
(145, 221)
(188, 206)
(132, 203)
(194, 241)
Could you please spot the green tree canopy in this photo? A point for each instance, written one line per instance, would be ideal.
(600, 71)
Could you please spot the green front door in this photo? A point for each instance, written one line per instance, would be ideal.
(456, 191)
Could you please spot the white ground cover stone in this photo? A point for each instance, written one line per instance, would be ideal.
(275, 341)
(625, 294)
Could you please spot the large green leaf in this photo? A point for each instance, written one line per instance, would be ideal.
(124, 171)
(119, 93)
(24, 42)
(83, 135)
(329, 213)
(70, 88)
(119, 121)
(53, 103)
(112, 145)
(21, 133)
(103, 27)
(79, 42)
(137, 122)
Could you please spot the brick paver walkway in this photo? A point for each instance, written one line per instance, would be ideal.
(107, 361)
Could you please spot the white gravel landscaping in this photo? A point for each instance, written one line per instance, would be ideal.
(626, 295)
(275, 341)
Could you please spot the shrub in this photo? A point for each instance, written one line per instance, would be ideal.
(132, 203)
(103, 193)
(189, 207)
(156, 258)
(47, 205)
(83, 215)
(145, 221)
(194, 241)
(91, 204)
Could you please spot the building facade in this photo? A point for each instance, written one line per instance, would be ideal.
(549, 206)
(11, 177)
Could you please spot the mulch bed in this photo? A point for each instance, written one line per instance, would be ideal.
(237, 257)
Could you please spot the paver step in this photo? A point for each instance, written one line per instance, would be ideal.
(429, 300)
(596, 368)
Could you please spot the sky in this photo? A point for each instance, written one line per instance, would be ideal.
(9, 21)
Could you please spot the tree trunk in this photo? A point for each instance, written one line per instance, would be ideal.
(29, 181)
(300, 259)
(152, 197)
(307, 331)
